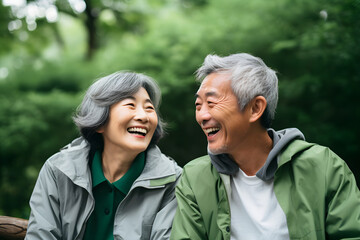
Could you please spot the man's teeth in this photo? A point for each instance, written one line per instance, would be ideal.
(210, 130)
(137, 130)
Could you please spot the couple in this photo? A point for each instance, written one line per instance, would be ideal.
(255, 183)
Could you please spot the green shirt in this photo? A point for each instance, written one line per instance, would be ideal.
(108, 196)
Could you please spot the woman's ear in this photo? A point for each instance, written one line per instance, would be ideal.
(100, 129)
(258, 106)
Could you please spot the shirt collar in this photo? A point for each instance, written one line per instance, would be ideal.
(125, 182)
(97, 173)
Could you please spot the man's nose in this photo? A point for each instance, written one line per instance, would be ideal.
(203, 115)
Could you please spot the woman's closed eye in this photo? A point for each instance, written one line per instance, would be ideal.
(130, 104)
(150, 107)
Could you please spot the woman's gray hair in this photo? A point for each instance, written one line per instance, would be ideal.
(94, 110)
(250, 77)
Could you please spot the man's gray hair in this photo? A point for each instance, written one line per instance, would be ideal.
(94, 110)
(250, 77)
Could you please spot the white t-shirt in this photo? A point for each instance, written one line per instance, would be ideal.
(255, 211)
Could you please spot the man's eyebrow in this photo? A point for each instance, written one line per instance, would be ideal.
(211, 94)
(207, 94)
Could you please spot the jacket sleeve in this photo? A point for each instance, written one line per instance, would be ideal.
(343, 201)
(44, 221)
(188, 222)
(162, 224)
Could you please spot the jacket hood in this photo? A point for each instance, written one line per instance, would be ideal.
(224, 164)
(280, 140)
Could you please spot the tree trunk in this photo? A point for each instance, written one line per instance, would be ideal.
(12, 228)
(90, 24)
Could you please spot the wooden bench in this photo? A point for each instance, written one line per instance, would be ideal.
(12, 228)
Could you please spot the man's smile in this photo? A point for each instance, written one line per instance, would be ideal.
(211, 131)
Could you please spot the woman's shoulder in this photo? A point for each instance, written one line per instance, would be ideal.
(73, 155)
(155, 158)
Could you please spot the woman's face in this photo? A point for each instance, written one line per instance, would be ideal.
(131, 124)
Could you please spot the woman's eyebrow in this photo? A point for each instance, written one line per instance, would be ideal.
(148, 100)
(134, 98)
(130, 97)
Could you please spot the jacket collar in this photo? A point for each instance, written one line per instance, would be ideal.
(280, 141)
(73, 162)
(158, 170)
(295, 147)
(225, 165)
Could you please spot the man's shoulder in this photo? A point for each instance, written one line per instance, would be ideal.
(198, 164)
(301, 146)
(200, 176)
(201, 166)
(303, 151)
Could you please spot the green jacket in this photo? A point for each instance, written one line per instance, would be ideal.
(314, 187)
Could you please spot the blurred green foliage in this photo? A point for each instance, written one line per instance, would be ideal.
(313, 45)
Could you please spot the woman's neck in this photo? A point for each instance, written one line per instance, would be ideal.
(116, 163)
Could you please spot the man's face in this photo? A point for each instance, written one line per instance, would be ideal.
(218, 114)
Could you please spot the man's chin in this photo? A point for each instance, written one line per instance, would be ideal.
(216, 151)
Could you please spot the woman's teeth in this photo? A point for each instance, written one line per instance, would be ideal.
(141, 131)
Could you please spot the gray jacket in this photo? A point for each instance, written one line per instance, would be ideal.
(62, 199)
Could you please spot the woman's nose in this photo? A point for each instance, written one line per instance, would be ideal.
(141, 115)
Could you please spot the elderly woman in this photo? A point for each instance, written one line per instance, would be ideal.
(113, 182)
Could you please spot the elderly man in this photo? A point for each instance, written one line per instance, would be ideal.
(257, 183)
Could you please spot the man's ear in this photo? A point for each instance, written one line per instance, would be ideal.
(258, 106)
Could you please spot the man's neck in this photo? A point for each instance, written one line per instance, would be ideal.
(252, 155)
